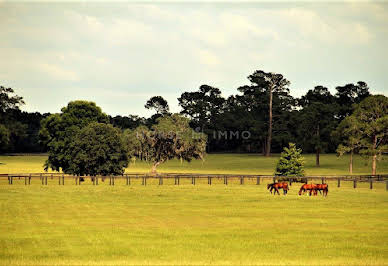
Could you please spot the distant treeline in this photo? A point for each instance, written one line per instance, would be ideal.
(239, 123)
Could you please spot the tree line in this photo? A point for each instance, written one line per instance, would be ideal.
(348, 121)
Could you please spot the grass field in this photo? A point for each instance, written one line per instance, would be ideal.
(218, 224)
(202, 224)
(216, 164)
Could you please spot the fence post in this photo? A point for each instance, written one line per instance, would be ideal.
(113, 180)
(46, 179)
(110, 180)
(59, 180)
(386, 185)
(258, 180)
(96, 180)
(339, 182)
(354, 183)
(323, 180)
(210, 180)
(241, 180)
(29, 180)
(25, 180)
(226, 180)
(194, 180)
(41, 178)
(371, 183)
(63, 179)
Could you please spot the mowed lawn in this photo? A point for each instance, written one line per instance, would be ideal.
(216, 164)
(186, 224)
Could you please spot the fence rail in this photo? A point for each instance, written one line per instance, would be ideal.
(62, 178)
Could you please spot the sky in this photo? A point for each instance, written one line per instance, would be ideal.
(121, 54)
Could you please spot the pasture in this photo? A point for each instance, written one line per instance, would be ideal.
(217, 164)
(197, 225)
(186, 224)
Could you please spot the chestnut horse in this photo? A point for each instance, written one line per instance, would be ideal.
(276, 186)
(312, 188)
(323, 188)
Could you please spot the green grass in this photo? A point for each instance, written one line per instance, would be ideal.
(218, 224)
(216, 164)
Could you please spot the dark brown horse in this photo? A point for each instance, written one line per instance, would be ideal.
(311, 188)
(323, 188)
(277, 186)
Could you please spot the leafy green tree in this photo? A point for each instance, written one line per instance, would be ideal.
(97, 149)
(4, 138)
(349, 95)
(170, 138)
(349, 134)
(371, 116)
(317, 120)
(8, 100)
(291, 162)
(268, 93)
(272, 83)
(204, 107)
(58, 131)
(159, 104)
(11, 130)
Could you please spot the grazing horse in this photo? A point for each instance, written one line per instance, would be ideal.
(312, 188)
(323, 188)
(276, 186)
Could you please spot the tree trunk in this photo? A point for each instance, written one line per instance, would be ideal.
(154, 166)
(269, 139)
(317, 149)
(351, 162)
(317, 157)
(374, 157)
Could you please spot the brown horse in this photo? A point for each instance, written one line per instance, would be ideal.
(323, 188)
(276, 186)
(312, 188)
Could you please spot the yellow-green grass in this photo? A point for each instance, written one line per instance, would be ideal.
(217, 164)
(186, 224)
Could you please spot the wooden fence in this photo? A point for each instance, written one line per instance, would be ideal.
(193, 178)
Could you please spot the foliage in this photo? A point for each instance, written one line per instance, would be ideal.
(317, 120)
(4, 137)
(267, 94)
(202, 106)
(170, 138)
(159, 104)
(59, 130)
(97, 149)
(349, 95)
(9, 101)
(371, 118)
(291, 162)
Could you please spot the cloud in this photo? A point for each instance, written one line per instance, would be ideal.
(129, 51)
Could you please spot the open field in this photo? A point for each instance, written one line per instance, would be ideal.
(218, 224)
(216, 164)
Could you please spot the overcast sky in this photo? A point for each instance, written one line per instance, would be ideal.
(119, 55)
